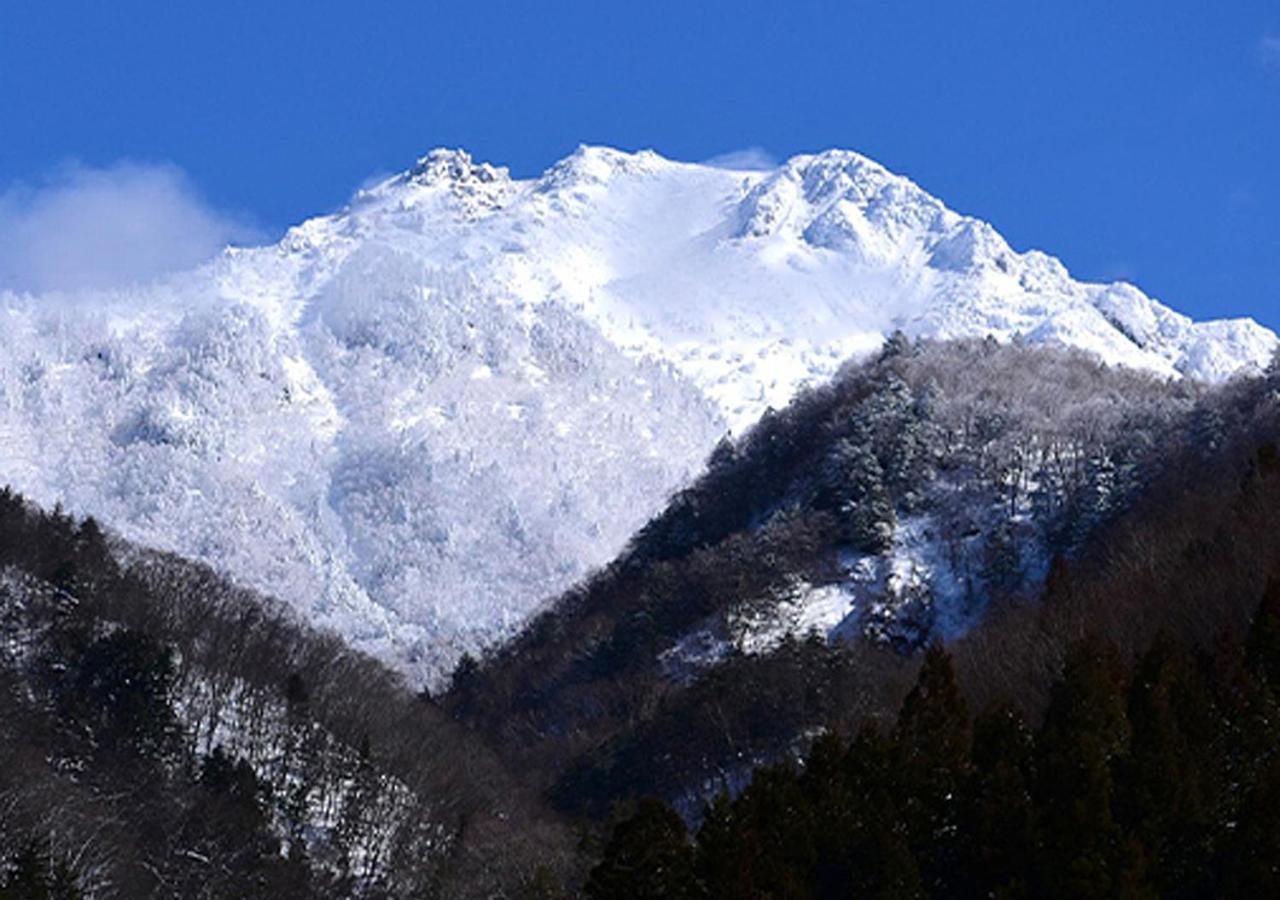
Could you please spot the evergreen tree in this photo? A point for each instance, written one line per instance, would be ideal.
(1208, 430)
(932, 748)
(1086, 854)
(1169, 783)
(879, 859)
(774, 819)
(898, 438)
(32, 873)
(866, 511)
(896, 345)
(648, 856)
(998, 819)
(228, 825)
(1001, 559)
(1097, 496)
(1263, 647)
(726, 853)
(121, 690)
(1251, 867)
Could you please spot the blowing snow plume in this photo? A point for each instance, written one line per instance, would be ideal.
(88, 228)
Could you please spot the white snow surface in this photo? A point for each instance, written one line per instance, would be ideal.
(420, 417)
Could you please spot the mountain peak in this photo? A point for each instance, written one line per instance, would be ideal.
(597, 165)
(443, 165)
(418, 417)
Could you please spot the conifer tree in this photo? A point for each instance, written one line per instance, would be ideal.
(1001, 561)
(726, 853)
(1168, 783)
(775, 820)
(879, 860)
(866, 510)
(34, 874)
(1097, 497)
(1086, 854)
(1251, 867)
(932, 745)
(998, 821)
(1263, 647)
(648, 856)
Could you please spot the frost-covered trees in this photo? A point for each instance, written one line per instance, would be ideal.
(854, 481)
(973, 463)
(1001, 557)
(410, 458)
(159, 727)
(1096, 495)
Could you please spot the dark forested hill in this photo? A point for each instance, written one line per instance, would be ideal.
(1001, 499)
(163, 734)
(1142, 778)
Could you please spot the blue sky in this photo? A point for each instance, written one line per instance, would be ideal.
(1134, 140)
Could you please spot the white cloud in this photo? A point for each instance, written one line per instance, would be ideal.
(1269, 50)
(749, 159)
(102, 228)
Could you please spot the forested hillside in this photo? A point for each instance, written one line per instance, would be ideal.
(1004, 500)
(163, 734)
(1157, 777)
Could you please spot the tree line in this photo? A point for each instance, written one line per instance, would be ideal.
(1153, 778)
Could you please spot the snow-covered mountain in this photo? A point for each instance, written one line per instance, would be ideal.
(420, 417)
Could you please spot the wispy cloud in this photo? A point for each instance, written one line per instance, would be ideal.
(106, 227)
(1119, 270)
(1269, 51)
(748, 159)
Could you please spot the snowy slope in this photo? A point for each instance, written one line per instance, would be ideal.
(420, 417)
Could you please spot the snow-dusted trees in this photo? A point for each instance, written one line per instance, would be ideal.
(855, 483)
(164, 732)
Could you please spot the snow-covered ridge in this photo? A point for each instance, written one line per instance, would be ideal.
(421, 416)
(752, 282)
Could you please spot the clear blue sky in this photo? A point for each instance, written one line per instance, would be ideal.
(1132, 139)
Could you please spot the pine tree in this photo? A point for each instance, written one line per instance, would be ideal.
(998, 821)
(121, 691)
(1169, 788)
(1001, 559)
(879, 859)
(1208, 429)
(774, 819)
(34, 874)
(1251, 867)
(896, 346)
(728, 853)
(648, 856)
(1263, 647)
(833, 813)
(898, 437)
(866, 512)
(932, 746)
(1086, 854)
(1097, 496)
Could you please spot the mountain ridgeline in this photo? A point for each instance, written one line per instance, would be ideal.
(1001, 498)
(419, 418)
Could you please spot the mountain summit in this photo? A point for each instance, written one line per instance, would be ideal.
(419, 417)
(751, 282)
